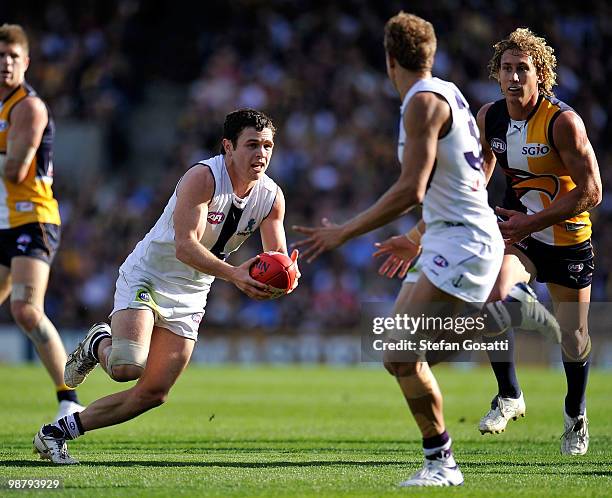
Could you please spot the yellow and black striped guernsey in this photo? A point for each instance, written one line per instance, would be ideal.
(535, 173)
(32, 200)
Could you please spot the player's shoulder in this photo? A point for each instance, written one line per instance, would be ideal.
(198, 181)
(269, 184)
(30, 106)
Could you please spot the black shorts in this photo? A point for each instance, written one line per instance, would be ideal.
(569, 266)
(35, 240)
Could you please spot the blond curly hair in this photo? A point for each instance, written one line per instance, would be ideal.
(544, 60)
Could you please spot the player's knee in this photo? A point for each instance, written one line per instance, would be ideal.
(399, 369)
(576, 344)
(126, 360)
(125, 373)
(26, 315)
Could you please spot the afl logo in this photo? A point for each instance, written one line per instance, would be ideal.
(535, 150)
(440, 261)
(498, 145)
(197, 317)
(575, 267)
(215, 217)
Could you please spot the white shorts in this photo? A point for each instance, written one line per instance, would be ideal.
(414, 273)
(461, 263)
(175, 309)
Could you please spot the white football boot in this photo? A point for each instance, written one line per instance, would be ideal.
(575, 439)
(50, 444)
(496, 420)
(439, 472)
(81, 362)
(533, 313)
(67, 407)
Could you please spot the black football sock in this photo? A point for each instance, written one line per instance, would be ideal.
(505, 372)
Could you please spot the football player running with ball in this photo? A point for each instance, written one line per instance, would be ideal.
(163, 284)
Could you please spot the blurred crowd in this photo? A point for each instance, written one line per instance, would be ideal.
(317, 68)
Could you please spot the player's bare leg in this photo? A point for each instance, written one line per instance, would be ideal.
(423, 394)
(169, 354)
(131, 332)
(29, 278)
(571, 310)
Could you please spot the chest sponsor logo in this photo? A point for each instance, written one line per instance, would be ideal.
(440, 261)
(3, 124)
(535, 150)
(575, 267)
(249, 229)
(215, 217)
(498, 145)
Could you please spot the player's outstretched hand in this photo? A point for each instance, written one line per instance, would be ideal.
(402, 253)
(320, 239)
(247, 284)
(516, 227)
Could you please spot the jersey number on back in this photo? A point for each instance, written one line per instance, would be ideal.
(475, 161)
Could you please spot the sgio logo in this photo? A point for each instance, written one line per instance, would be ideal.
(535, 150)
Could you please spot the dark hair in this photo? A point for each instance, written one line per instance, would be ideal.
(14, 34)
(411, 41)
(240, 119)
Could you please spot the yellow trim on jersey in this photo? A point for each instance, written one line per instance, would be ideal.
(551, 177)
(30, 201)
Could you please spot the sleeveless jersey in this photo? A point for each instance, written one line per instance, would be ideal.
(230, 222)
(534, 171)
(30, 201)
(457, 187)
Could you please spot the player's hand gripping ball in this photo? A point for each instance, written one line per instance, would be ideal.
(275, 269)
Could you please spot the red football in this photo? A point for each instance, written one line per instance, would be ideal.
(275, 269)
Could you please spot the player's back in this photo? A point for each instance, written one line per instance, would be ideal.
(457, 187)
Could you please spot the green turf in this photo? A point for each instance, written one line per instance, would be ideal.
(306, 431)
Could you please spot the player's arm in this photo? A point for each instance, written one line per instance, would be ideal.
(28, 120)
(194, 192)
(401, 251)
(423, 120)
(489, 160)
(577, 155)
(272, 231)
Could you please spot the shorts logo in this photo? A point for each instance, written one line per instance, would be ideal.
(457, 282)
(498, 145)
(535, 150)
(23, 241)
(575, 267)
(440, 261)
(143, 296)
(215, 217)
(197, 317)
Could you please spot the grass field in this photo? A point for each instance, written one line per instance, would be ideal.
(292, 431)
